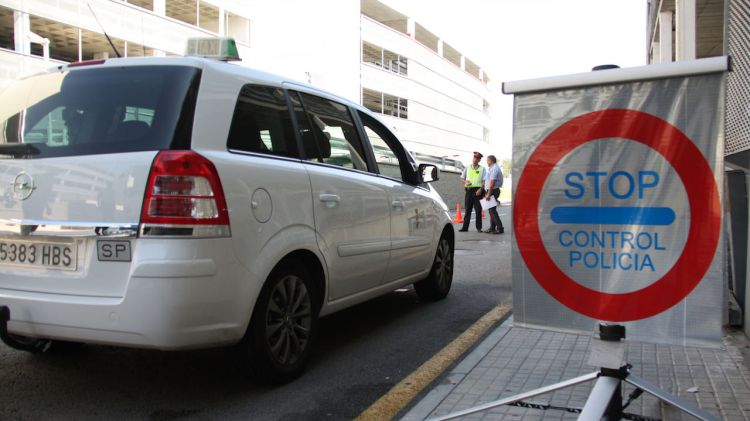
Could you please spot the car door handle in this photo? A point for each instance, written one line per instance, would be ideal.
(329, 197)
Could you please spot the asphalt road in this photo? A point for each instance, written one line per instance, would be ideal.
(361, 354)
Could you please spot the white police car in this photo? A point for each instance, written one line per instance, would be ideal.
(177, 203)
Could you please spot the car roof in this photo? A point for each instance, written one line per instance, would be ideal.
(229, 69)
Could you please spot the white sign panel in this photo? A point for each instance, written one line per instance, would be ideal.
(617, 210)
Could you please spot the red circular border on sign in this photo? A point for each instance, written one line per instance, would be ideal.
(702, 193)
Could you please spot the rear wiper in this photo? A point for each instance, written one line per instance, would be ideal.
(18, 150)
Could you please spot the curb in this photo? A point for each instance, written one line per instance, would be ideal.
(435, 397)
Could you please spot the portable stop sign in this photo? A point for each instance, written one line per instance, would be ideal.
(617, 210)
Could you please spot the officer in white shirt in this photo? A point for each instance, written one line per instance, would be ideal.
(492, 183)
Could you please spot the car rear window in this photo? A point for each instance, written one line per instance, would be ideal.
(98, 110)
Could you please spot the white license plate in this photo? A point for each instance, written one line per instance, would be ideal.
(41, 254)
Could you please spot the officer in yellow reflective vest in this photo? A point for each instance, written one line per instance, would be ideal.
(472, 178)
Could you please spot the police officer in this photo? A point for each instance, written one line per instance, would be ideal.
(492, 183)
(472, 178)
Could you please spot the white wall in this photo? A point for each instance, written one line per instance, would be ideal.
(294, 38)
(14, 65)
(431, 140)
(465, 86)
(446, 114)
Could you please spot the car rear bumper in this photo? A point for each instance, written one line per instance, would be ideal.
(156, 312)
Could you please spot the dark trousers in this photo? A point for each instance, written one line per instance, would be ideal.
(471, 201)
(495, 222)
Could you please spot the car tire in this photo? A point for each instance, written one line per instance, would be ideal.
(283, 327)
(438, 283)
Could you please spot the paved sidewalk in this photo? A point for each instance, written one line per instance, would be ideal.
(512, 360)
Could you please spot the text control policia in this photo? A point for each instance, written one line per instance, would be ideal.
(627, 249)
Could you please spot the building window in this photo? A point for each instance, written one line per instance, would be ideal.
(385, 104)
(6, 29)
(183, 10)
(145, 115)
(208, 17)
(395, 63)
(372, 54)
(146, 4)
(385, 59)
(372, 100)
(395, 106)
(238, 27)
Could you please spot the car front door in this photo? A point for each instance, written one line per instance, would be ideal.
(350, 207)
(413, 213)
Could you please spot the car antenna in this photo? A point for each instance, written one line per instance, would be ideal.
(117, 53)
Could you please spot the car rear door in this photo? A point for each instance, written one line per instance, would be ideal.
(351, 209)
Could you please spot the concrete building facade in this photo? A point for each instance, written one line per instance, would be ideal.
(435, 98)
(694, 29)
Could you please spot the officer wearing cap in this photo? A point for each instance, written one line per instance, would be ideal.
(472, 178)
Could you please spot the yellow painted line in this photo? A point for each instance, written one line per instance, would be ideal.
(401, 394)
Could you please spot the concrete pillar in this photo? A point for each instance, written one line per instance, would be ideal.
(160, 7)
(665, 37)
(440, 47)
(686, 29)
(21, 31)
(746, 326)
(222, 21)
(80, 44)
(655, 53)
(411, 28)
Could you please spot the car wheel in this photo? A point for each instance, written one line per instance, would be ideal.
(283, 326)
(438, 282)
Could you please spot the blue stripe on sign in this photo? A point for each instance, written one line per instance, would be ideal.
(612, 215)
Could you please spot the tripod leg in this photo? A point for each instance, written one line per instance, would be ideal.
(519, 397)
(669, 398)
(605, 391)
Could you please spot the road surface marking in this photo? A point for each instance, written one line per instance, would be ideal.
(401, 394)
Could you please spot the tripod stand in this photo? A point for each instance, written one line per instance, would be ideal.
(605, 400)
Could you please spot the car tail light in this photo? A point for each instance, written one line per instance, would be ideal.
(184, 198)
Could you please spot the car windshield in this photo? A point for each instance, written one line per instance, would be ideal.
(98, 110)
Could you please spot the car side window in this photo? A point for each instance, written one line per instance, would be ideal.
(262, 123)
(385, 150)
(329, 135)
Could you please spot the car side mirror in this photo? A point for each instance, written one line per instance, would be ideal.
(428, 173)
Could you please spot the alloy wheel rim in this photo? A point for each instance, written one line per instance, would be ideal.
(443, 264)
(288, 320)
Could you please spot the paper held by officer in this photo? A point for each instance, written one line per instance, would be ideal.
(488, 203)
